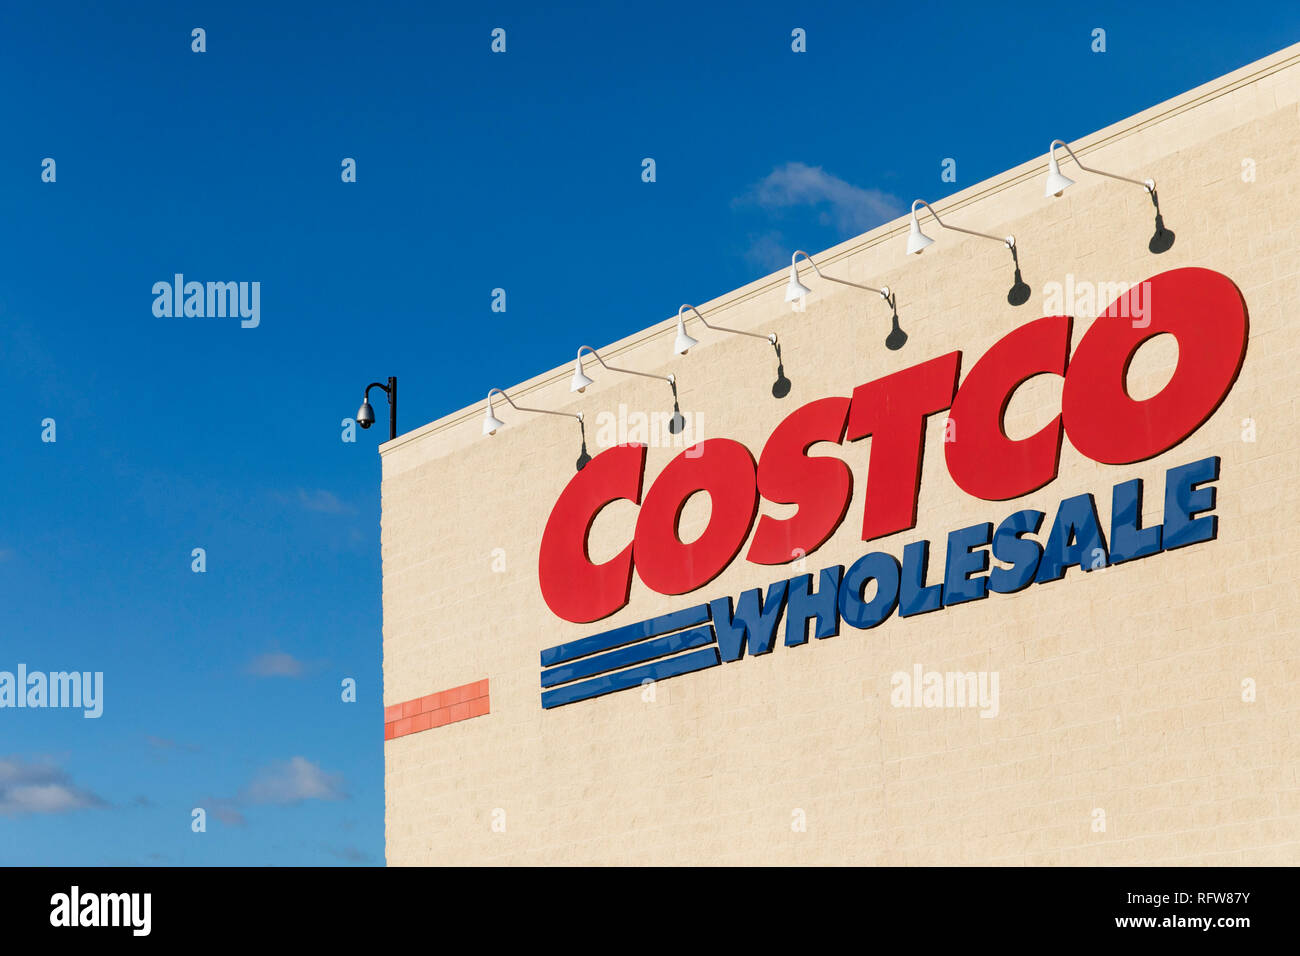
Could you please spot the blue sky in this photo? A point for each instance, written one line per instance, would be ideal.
(474, 171)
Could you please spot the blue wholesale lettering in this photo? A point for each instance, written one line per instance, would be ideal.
(1023, 554)
(709, 634)
(881, 568)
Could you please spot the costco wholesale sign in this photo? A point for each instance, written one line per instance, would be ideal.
(1203, 310)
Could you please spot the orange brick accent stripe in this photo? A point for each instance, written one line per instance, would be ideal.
(434, 710)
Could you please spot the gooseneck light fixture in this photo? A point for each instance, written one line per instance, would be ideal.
(685, 342)
(491, 423)
(917, 241)
(780, 388)
(1058, 183)
(796, 290)
(366, 414)
(580, 381)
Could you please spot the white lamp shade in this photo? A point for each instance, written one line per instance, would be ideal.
(916, 239)
(795, 289)
(684, 341)
(580, 379)
(1056, 183)
(491, 423)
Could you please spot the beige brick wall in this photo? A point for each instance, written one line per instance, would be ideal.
(1120, 690)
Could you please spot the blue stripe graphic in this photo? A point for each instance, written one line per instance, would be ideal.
(607, 684)
(634, 654)
(625, 635)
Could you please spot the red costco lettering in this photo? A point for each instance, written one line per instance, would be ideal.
(573, 587)
(892, 410)
(1205, 312)
(1202, 309)
(982, 460)
(725, 469)
(821, 487)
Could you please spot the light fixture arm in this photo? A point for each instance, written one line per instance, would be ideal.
(883, 293)
(614, 368)
(524, 408)
(1008, 241)
(1148, 184)
(720, 328)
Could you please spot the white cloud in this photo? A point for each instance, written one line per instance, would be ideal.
(39, 788)
(852, 209)
(350, 854)
(275, 664)
(768, 251)
(323, 501)
(279, 783)
(293, 781)
(227, 813)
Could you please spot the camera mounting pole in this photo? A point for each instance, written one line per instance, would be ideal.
(366, 414)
